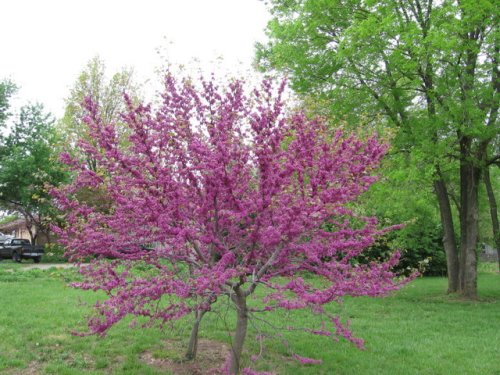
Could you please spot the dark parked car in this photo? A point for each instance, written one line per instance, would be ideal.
(19, 248)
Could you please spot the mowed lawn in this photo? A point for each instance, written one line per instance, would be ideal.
(418, 330)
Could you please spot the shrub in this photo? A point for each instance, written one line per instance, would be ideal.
(421, 248)
(54, 253)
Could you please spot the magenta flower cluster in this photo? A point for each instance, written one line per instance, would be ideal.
(227, 189)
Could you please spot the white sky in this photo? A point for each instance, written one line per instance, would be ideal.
(47, 43)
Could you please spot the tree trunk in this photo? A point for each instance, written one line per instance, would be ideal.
(240, 300)
(493, 211)
(449, 242)
(193, 339)
(469, 229)
(30, 231)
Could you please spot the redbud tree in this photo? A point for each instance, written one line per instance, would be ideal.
(230, 193)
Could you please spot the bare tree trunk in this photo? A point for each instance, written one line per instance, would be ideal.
(29, 227)
(449, 242)
(240, 300)
(193, 339)
(469, 229)
(493, 211)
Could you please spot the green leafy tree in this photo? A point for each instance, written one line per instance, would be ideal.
(28, 165)
(430, 68)
(108, 94)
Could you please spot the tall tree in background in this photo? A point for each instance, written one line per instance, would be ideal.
(430, 68)
(28, 164)
(108, 94)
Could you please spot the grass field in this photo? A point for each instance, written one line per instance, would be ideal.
(419, 330)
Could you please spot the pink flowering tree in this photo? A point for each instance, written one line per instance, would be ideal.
(230, 193)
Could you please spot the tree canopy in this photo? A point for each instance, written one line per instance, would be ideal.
(231, 195)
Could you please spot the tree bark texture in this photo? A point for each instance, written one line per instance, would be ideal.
(469, 228)
(493, 212)
(240, 301)
(449, 241)
(193, 339)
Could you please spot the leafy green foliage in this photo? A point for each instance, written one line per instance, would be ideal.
(107, 93)
(54, 253)
(7, 89)
(404, 196)
(421, 247)
(427, 69)
(403, 60)
(28, 165)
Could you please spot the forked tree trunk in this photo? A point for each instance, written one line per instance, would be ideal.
(193, 339)
(469, 228)
(493, 212)
(240, 300)
(449, 242)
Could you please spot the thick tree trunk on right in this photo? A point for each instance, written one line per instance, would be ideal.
(449, 242)
(493, 211)
(469, 228)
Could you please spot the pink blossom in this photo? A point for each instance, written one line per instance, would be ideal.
(307, 361)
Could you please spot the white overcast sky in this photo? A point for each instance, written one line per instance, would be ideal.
(46, 43)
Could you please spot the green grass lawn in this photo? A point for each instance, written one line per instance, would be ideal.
(419, 330)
